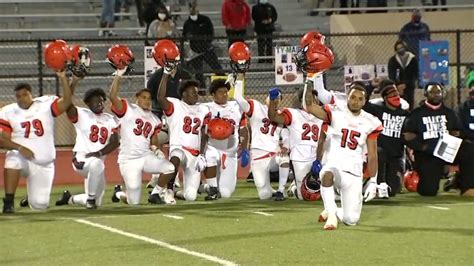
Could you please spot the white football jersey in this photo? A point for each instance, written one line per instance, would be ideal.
(185, 123)
(33, 127)
(348, 136)
(265, 133)
(93, 131)
(137, 127)
(304, 129)
(234, 114)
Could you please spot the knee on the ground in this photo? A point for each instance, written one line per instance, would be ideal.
(351, 219)
(39, 204)
(190, 195)
(264, 193)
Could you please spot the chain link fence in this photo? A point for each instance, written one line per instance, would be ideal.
(21, 61)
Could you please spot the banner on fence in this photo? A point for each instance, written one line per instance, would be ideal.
(285, 69)
(365, 73)
(434, 56)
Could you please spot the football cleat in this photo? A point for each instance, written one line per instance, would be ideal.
(279, 196)
(24, 202)
(169, 197)
(323, 216)
(155, 199)
(292, 190)
(8, 207)
(331, 222)
(382, 190)
(64, 199)
(90, 204)
(213, 194)
(117, 188)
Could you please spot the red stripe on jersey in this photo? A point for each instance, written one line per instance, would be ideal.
(243, 121)
(375, 133)
(207, 118)
(287, 117)
(170, 110)
(120, 113)
(194, 152)
(5, 126)
(268, 155)
(333, 100)
(325, 126)
(328, 112)
(250, 112)
(55, 108)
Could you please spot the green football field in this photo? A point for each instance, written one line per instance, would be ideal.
(404, 230)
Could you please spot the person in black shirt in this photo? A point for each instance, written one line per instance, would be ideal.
(422, 130)
(390, 146)
(403, 69)
(264, 16)
(200, 32)
(177, 75)
(466, 152)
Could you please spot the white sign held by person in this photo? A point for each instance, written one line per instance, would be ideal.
(447, 147)
(149, 62)
(285, 69)
(364, 73)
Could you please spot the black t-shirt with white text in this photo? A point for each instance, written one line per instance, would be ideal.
(392, 120)
(429, 124)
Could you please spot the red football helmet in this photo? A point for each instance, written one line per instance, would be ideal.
(311, 37)
(239, 54)
(310, 188)
(79, 60)
(120, 56)
(319, 58)
(166, 52)
(410, 180)
(56, 55)
(219, 128)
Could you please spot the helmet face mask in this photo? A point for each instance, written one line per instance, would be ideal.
(80, 60)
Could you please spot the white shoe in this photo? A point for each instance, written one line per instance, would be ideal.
(331, 222)
(323, 216)
(153, 181)
(382, 190)
(169, 197)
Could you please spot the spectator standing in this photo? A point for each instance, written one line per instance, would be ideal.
(421, 132)
(149, 13)
(107, 19)
(163, 26)
(236, 19)
(415, 31)
(353, 3)
(200, 32)
(403, 69)
(264, 16)
(443, 3)
(376, 3)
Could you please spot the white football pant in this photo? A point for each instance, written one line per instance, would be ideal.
(191, 177)
(39, 178)
(133, 169)
(261, 166)
(226, 169)
(93, 170)
(300, 170)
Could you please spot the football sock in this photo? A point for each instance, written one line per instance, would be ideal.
(283, 178)
(329, 199)
(9, 197)
(212, 181)
(78, 199)
(156, 190)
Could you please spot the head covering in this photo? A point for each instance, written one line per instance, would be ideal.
(470, 79)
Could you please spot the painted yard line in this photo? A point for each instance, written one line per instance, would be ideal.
(173, 216)
(263, 213)
(157, 242)
(438, 208)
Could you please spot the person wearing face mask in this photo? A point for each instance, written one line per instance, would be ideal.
(421, 132)
(264, 15)
(163, 26)
(415, 31)
(403, 70)
(390, 146)
(199, 30)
